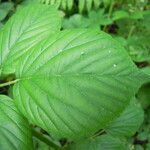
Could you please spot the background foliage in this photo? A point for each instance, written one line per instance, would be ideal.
(128, 21)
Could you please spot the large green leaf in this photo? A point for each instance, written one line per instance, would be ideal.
(104, 142)
(128, 122)
(75, 82)
(15, 133)
(25, 29)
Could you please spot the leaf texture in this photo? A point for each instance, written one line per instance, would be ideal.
(15, 133)
(81, 81)
(24, 30)
(128, 122)
(104, 142)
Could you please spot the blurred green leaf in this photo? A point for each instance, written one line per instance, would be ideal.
(144, 96)
(95, 19)
(120, 14)
(76, 21)
(139, 147)
(4, 9)
(139, 47)
(103, 142)
(136, 15)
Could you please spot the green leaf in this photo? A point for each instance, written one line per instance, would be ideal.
(7, 6)
(3, 14)
(144, 96)
(81, 5)
(15, 133)
(97, 3)
(107, 2)
(64, 4)
(139, 48)
(70, 4)
(120, 14)
(104, 142)
(95, 20)
(128, 122)
(121, 40)
(29, 2)
(89, 4)
(24, 30)
(39, 145)
(76, 21)
(75, 82)
(146, 70)
(98, 18)
(136, 15)
(4, 9)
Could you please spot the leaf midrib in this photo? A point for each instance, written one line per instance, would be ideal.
(131, 75)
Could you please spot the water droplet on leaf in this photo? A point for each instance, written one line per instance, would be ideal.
(115, 65)
(82, 53)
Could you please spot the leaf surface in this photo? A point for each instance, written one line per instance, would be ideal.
(75, 82)
(128, 122)
(104, 142)
(15, 133)
(25, 29)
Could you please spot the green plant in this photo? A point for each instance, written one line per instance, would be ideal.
(76, 84)
(95, 19)
(5, 9)
(68, 5)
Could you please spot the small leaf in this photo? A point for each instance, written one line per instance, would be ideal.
(24, 30)
(15, 133)
(3, 14)
(89, 4)
(98, 18)
(136, 15)
(76, 21)
(81, 5)
(104, 142)
(121, 14)
(146, 70)
(70, 4)
(74, 82)
(128, 122)
(139, 48)
(4, 9)
(97, 3)
(7, 6)
(143, 96)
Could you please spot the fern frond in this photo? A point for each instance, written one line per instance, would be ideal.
(68, 4)
(64, 4)
(89, 4)
(58, 3)
(97, 3)
(52, 2)
(81, 5)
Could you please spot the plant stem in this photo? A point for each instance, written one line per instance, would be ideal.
(98, 134)
(111, 8)
(131, 31)
(9, 83)
(45, 139)
(109, 12)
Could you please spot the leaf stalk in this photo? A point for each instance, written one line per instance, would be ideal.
(9, 83)
(45, 139)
